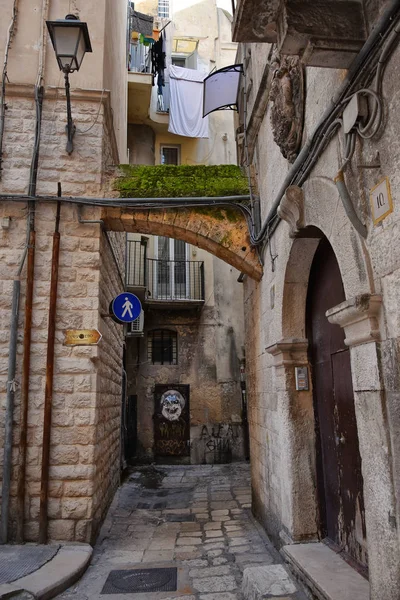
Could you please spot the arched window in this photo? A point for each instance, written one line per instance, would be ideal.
(162, 347)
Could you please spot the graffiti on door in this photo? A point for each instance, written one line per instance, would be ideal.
(172, 420)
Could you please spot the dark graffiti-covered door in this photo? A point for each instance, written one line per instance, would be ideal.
(171, 420)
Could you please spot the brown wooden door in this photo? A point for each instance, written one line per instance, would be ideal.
(171, 420)
(340, 483)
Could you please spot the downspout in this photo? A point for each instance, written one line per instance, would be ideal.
(11, 388)
(26, 362)
(48, 398)
(12, 351)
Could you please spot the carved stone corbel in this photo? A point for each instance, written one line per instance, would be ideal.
(287, 112)
(291, 209)
(288, 352)
(359, 319)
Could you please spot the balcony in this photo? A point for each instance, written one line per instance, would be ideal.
(327, 33)
(164, 284)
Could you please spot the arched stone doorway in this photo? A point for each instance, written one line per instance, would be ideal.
(359, 315)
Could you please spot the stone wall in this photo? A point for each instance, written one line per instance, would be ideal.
(109, 387)
(87, 380)
(281, 418)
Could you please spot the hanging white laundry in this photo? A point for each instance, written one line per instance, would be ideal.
(186, 103)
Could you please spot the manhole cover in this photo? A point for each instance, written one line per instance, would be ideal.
(141, 580)
(180, 518)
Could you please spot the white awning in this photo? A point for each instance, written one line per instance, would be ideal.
(221, 89)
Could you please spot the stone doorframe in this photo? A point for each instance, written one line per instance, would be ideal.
(359, 316)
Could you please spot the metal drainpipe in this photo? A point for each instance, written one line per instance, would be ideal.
(11, 388)
(25, 388)
(26, 362)
(48, 398)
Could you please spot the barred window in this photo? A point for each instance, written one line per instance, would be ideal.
(162, 347)
(163, 8)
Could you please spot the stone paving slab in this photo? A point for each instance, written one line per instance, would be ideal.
(211, 552)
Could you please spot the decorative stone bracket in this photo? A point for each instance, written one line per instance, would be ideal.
(291, 209)
(289, 352)
(323, 33)
(359, 318)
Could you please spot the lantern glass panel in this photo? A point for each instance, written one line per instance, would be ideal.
(80, 53)
(66, 39)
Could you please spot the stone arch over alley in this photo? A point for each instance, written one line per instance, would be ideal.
(222, 232)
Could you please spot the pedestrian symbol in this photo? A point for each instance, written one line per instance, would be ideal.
(126, 308)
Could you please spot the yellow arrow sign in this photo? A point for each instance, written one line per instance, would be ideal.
(82, 337)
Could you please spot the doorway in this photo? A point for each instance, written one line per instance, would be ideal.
(339, 478)
(171, 276)
(171, 420)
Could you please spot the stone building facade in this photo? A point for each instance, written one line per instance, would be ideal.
(322, 332)
(86, 396)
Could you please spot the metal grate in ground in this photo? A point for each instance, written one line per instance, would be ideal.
(19, 561)
(180, 518)
(141, 580)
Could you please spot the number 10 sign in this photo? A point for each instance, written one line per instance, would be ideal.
(381, 201)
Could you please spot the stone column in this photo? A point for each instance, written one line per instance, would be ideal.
(359, 319)
(297, 443)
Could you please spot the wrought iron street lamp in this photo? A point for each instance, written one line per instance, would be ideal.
(70, 39)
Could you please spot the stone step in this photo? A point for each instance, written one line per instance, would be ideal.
(325, 573)
(269, 581)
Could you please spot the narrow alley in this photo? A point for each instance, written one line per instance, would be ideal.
(181, 531)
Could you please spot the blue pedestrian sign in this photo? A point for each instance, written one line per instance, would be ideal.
(126, 307)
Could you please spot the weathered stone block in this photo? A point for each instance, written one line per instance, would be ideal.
(61, 530)
(75, 508)
(64, 455)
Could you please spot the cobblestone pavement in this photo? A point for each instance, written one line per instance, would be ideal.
(195, 518)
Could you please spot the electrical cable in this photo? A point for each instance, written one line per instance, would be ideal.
(380, 41)
(78, 131)
(10, 34)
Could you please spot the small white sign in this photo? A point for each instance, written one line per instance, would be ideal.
(381, 201)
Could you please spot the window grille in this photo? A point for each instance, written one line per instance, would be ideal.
(170, 155)
(162, 347)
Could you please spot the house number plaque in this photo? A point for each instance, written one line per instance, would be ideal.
(381, 201)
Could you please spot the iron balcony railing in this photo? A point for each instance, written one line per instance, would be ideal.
(164, 280)
(136, 263)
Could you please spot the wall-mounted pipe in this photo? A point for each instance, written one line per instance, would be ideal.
(23, 436)
(10, 34)
(10, 396)
(8, 427)
(26, 361)
(48, 398)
